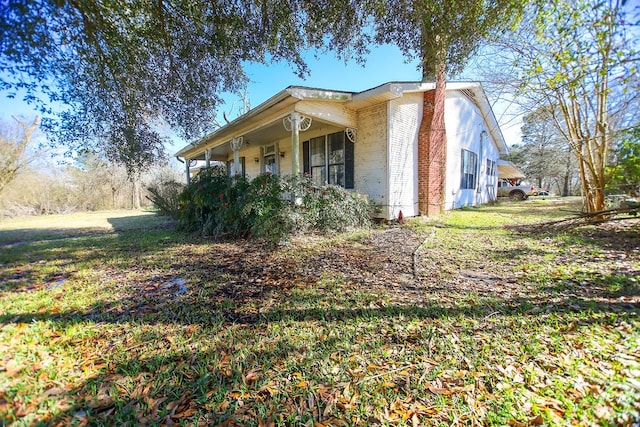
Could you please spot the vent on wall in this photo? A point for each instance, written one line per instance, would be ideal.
(470, 95)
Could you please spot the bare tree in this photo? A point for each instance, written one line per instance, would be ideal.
(13, 145)
(577, 59)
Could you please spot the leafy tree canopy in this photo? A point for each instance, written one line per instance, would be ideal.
(119, 67)
(624, 164)
(578, 59)
(442, 33)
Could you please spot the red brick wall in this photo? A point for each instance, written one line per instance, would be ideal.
(432, 149)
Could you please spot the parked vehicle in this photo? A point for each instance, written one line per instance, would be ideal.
(515, 192)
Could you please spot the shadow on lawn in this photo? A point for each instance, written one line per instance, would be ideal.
(241, 286)
(21, 263)
(169, 386)
(158, 386)
(66, 229)
(221, 307)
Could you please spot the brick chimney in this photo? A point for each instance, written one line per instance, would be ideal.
(432, 153)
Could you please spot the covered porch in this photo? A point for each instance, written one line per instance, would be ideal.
(290, 133)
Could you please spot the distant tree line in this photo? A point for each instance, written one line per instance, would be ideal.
(33, 183)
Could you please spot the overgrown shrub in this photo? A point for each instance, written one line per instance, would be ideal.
(268, 207)
(165, 196)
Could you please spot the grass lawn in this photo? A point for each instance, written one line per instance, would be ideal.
(456, 321)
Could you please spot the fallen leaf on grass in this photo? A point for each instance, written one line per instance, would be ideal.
(270, 388)
(12, 368)
(451, 390)
(181, 408)
(250, 377)
(54, 391)
(537, 421)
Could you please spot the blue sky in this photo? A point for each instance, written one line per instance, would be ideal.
(383, 64)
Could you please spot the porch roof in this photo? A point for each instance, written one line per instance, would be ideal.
(263, 124)
(507, 169)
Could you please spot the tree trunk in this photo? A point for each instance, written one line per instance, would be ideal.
(565, 185)
(432, 138)
(135, 194)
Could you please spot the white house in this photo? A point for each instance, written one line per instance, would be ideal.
(370, 142)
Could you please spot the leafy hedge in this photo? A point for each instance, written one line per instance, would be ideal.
(269, 206)
(165, 196)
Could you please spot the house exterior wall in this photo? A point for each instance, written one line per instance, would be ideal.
(464, 125)
(371, 166)
(250, 153)
(402, 151)
(387, 161)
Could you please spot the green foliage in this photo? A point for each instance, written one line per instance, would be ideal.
(269, 207)
(165, 196)
(119, 68)
(624, 169)
(422, 29)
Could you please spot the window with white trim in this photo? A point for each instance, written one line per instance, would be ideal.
(468, 170)
(269, 160)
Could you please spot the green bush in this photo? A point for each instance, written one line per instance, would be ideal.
(165, 196)
(268, 207)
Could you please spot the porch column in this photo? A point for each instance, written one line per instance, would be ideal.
(296, 123)
(207, 158)
(236, 143)
(188, 172)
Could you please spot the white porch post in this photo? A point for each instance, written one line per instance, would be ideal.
(296, 123)
(188, 172)
(236, 143)
(295, 143)
(207, 158)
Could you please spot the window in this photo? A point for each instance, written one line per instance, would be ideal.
(329, 159)
(269, 161)
(468, 170)
(318, 161)
(491, 167)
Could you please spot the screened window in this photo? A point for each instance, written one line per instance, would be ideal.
(318, 160)
(335, 148)
(468, 170)
(329, 159)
